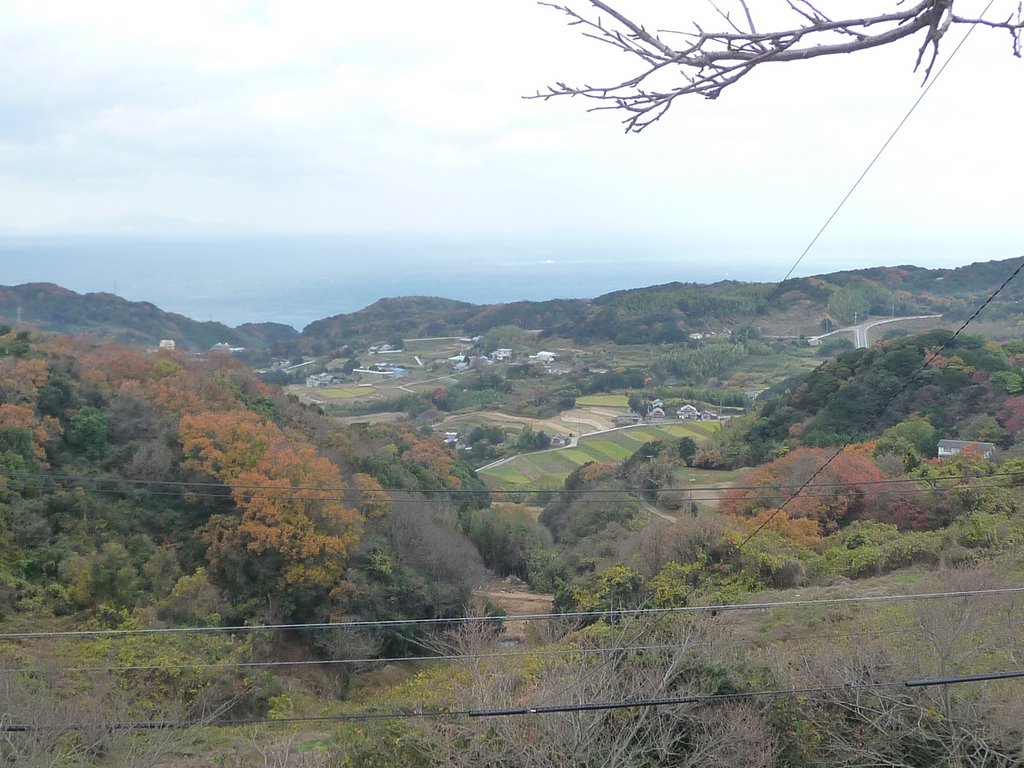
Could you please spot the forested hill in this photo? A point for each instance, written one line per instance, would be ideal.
(670, 312)
(971, 391)
(49, 307)
(659, 314)
(418, 316)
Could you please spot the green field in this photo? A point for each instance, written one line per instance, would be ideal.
(550, 468)
(603, 401)
(342, 392)
(681, 477)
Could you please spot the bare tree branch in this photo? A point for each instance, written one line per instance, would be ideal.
(707, 62)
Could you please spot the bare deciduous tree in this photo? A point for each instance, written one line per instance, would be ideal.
(699, 60)
(860, 717)
(682, 736)
(46, 721)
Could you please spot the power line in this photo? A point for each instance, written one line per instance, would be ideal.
(567, 615)
(885, 145)
(630, 494)
(964, 679)
(339, 662)
(539, 652)
(815, 239)
(590, 706)
(889, 401)
(344, 493)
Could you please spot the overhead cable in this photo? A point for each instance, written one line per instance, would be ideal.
(567, 615)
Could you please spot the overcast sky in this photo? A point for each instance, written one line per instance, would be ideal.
(406, 116)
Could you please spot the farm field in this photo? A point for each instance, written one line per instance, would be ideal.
(603, 401)
(548, 469)
(345, 392)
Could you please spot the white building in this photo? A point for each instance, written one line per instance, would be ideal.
(950, 448)
(688, 413)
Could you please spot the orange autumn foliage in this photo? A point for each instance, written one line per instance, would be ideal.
(292, 522)
(225, 444)
(867, 448)
(802, 531)
(171, 382)
(21, 380)
(44, 431)
(374, 500)
(601, 470)
(431, 453)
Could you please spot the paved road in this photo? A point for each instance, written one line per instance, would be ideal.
(860, 332)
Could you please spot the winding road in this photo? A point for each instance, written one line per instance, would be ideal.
(860, 332)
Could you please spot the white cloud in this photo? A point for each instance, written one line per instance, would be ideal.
(318, 115)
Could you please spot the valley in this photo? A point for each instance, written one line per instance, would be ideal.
(387, 507)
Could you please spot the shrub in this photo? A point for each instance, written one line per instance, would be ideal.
(912, 548)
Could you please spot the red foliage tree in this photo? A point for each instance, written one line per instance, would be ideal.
(1011, 415)
(841, 492)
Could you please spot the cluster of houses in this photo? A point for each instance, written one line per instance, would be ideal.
(656, 412)
(324, 380)
(321, 381)
(382, 369)
(690, 413)
(170, 345)
(463, 362)
(223, 346)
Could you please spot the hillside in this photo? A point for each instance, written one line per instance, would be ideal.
(666, 313)
(152, 491)
(970, 391)
(671, 312)
(48, 307)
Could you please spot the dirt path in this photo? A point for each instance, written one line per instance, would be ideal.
(550, 426)
(578, 422)
(515, 601)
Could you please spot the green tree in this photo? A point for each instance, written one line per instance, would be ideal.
(914, 433)
(686, 449)
(637, 404)
(1011, 381)
(614, 588)
(103, 577)
(88, 432)
(503, 337)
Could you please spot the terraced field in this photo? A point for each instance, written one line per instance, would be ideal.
(548, 469)
(603, 401)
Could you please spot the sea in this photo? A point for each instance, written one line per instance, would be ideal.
(298, 279)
